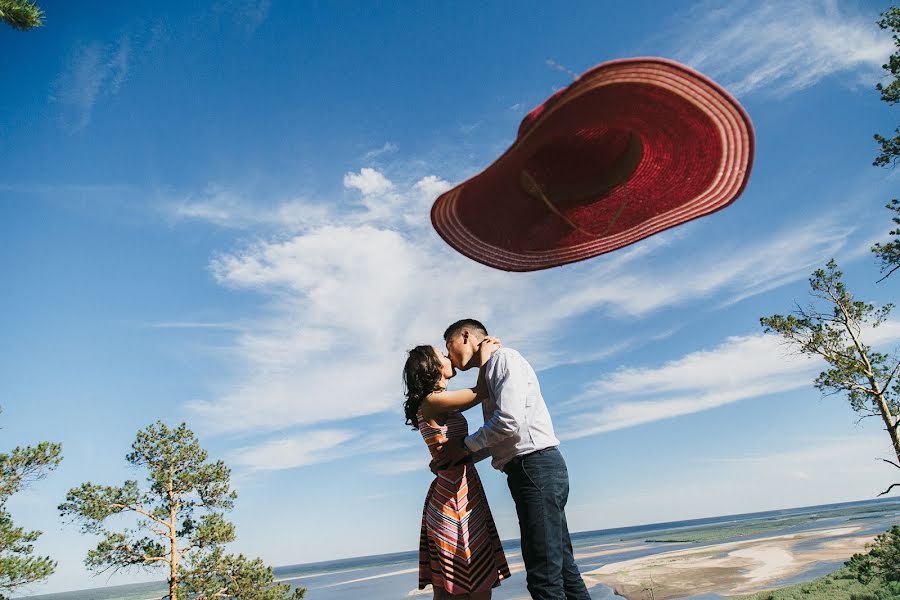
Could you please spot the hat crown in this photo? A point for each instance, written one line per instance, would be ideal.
(583, 165)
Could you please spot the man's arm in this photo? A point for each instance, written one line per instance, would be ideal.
(510, 387)
(507, 379)
(481, 455)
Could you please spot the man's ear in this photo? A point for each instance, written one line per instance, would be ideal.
(465, 336)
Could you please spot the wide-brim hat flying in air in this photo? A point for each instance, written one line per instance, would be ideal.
(629, 149)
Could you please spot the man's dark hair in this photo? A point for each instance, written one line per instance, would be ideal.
(470, 324)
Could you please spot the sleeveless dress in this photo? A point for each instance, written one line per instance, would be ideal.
(459, 549)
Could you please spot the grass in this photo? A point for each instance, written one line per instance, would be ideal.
(727, 532)
(840, 585)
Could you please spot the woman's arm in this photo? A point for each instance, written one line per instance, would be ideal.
(466, 398)
(456, 400)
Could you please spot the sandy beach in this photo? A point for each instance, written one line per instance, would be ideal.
(730, 568)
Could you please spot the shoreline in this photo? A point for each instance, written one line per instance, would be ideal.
(729, 568)
(792, 533)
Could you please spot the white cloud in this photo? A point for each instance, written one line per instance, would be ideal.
(886, 333)
(368, 181)
(424, 193)
(388, 148)
(739, 271)
(344, 303)
(780, 47)
(418, 462)
(740, 368)
(287, 453)
(226, 208)
(95, 70)
(562, 68)
(350, 301)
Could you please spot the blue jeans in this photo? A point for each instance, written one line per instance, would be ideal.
(539, 484)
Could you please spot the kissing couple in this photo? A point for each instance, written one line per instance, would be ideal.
(460, 553)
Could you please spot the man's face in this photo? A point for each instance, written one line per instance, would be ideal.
(459, 350)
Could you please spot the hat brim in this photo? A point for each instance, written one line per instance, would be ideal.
(698, 151)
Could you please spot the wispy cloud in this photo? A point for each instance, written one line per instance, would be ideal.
(409, 464)
(196, 325)
(312, 446)
(552, 63)
(740, 368)
(388, 148)
(346, 301)
(288, 453)
(95, 70)
(780, 47)
(732, 273)
(226, 208)
(247, 15)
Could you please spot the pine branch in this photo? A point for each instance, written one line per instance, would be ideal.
(21, 14)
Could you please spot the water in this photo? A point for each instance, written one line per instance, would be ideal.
(390, 576)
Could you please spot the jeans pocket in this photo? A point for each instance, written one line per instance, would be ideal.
(534, 473)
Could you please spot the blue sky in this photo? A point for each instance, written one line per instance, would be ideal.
(219, 214)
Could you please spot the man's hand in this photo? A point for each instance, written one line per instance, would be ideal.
(449, 454)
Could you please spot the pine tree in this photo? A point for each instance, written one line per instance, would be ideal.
(18, 469)
(834, 328)
(889, 253)
(176, 521)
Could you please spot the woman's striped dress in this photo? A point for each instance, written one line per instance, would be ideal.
(459, 549)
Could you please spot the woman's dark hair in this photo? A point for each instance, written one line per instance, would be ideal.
(420, 377)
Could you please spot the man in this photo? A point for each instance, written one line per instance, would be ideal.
(519, 435)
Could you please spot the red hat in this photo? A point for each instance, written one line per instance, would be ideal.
(631, 148)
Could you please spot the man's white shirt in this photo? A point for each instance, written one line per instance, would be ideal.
(516, 420)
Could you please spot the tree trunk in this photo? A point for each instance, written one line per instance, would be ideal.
(876, 390)
(173, 542)
(888, 423)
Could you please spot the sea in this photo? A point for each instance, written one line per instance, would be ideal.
(394, 576)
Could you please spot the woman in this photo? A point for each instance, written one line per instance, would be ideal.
(460, 553)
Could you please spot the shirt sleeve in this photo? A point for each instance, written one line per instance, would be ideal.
(509, 385)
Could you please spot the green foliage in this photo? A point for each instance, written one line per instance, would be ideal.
(217, 575)
(24, 466)
(889, 253)
(19, 468)
(874, 575)
(890, 93)
(832, 328)
(835, 334)
(179, 503)
(840, 585)
(881, 562)
(21, 14)
(174, 521)
(174, 457)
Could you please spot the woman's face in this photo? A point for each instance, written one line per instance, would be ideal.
(447, 369)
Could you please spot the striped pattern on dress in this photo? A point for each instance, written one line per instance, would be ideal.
(459, 548)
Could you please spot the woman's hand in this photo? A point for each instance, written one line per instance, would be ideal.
(488, 346)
